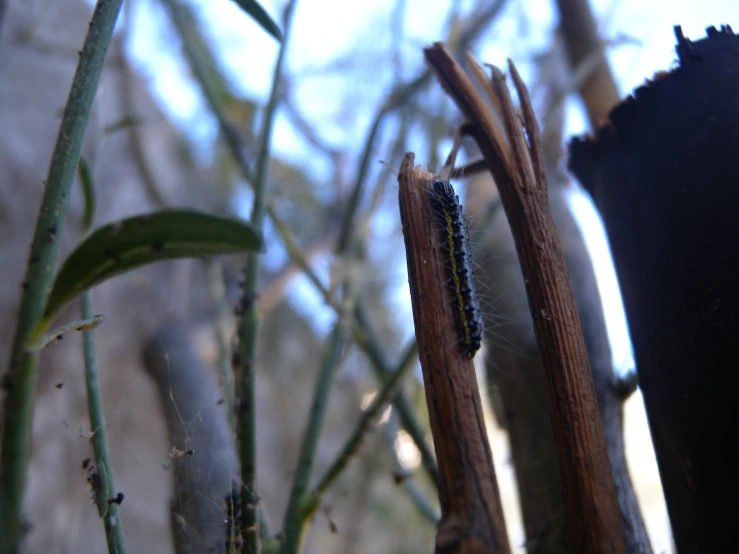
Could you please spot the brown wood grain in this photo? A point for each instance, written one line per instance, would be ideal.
(590, 501)
(471, 512)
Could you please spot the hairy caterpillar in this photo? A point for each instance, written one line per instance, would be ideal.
(445, 204)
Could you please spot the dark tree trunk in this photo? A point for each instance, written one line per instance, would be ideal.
(664, 175)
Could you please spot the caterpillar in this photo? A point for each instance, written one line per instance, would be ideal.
(450, 213)
(233, 522)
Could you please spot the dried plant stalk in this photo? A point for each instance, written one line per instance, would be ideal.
(589, 493)
(472, 516)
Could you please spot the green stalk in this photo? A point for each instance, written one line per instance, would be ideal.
(249, 324)
(300, 501)
(371, 346)
(368, 417)
(103, 485)
(104, 488)
(205, 72)
(217, 288)
(410, 485)
(20, 382)
(234, 143)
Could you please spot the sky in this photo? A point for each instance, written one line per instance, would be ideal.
(327, 30)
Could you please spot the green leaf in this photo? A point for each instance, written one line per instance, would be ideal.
(258, 14)
(58, 333)
(137, 241)
(88, 191)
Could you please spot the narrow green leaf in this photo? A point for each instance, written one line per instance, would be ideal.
(137, 241)
(88, 190)
(259, 15)
(56, 334)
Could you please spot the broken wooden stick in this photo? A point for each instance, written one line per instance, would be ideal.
(471, 512)
(515, 160)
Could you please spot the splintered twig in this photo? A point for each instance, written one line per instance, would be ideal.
(471, 511)
(516, 164)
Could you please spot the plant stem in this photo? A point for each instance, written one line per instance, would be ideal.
(182, 18)
(410, 484)
(23, 371)
(249, 324)
(368, 417)
(299, 502)
(217, 289)
(371, 346)
(103, 485)
(472, 513)
(135, 136)
(367, 340)
(105, 489)
(235, 145)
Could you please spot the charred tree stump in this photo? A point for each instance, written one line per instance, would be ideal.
(665, 177)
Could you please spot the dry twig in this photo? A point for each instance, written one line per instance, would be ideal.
(471, 513)
(517, 166)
